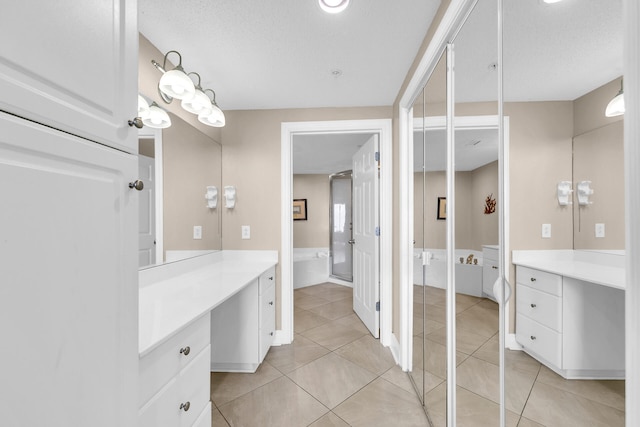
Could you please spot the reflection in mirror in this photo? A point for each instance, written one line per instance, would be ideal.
(186, 162)
(562, 65)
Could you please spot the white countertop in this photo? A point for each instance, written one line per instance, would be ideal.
(601, 268)
(181, 292)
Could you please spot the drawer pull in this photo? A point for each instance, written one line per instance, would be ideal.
(533, 338)
(270, 302)
(185, 406)
(494, 267)
(533, 279)
(533, 305)
(271, 333)
(185, 350)
(271, 278)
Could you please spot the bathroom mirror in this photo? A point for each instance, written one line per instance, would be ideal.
(187, 165)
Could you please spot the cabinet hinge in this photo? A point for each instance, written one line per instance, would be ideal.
(377, 156)
(378, 231)
(378, 306)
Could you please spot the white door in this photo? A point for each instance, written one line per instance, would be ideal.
(147, 212)
(366, 283)
(69, 292)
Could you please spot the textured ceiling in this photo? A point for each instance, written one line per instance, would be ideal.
(263, 54)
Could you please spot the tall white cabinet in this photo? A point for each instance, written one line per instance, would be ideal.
(68, 219)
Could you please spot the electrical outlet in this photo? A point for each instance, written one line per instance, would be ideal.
(246, 232)
(599, 230)
(546, 231)
(197, 232)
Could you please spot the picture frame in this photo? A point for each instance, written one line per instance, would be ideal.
(299, 209)
(442, 208)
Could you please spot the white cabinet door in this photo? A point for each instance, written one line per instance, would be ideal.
(72, 65)
(69, 295)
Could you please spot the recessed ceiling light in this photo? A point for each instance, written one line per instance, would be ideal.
(333, 6)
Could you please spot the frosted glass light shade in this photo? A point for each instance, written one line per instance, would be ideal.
(143, 107)
(177, 84)
(215, 118)
(333, 6)
(198, 104)
(615, 107)
(157, 118)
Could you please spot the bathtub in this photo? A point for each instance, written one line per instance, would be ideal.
(310, 266)
(468, 276)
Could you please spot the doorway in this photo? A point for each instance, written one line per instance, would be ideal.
(380, 127)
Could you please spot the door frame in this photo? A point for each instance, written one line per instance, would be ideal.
(383, 127)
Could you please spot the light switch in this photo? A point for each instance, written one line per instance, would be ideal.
(599, 230)
(197, 232)
(546, 231)
(246, 232)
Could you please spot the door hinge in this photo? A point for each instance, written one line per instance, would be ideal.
(378, 231)
(377, 156)
(378, 306)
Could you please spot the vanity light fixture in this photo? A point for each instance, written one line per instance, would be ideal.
(157, 118)
(143, 107)
(215, 117)
(175, 83)
(199, 103)
(615, 107)
(551, 1)
(333, 6)
(564, 193)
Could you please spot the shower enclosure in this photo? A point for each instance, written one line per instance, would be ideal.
(340, 238)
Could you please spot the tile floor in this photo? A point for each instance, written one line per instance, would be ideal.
(336, 374)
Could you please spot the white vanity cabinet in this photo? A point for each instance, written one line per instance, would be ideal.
(174, 380)
(574, 327)
(242, 327)
(72, 65)
(489, 270)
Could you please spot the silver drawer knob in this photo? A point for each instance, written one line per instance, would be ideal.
(270, 302)
(533, 279)
(137, 184)
(271, 278)
(137, 122)
(186, 350)
(494, 267)
(533, 305)
(533, 338)
(185, 406)
(271, 333)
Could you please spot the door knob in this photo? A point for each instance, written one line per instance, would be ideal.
(137, 184)
(351, 242)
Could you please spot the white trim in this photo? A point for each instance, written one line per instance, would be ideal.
(631, 14)
(384, 129)
(395, 349)
(156, 134)
(451, 21)
(511, 343)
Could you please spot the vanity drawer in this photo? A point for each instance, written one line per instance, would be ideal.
(539, 306)
(189, 390)
(267, 279)
(540, 280)
(541, 340)
(163, 363)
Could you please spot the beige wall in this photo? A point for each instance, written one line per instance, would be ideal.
(473, 227)
(251, 162)
(191, 162)
(314, 232)
(598, 156)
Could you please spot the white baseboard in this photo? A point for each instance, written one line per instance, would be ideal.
(395, 348)
(281, 338)
(511, 343)
(337, 281)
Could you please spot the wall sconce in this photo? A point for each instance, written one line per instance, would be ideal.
(564, 193)
(229, 196)
(212, 196)
(156, 117)
(615, 107)
(213, 117)
(178, 84)
(584, 191)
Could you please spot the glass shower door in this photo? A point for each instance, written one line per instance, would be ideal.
(341, 240)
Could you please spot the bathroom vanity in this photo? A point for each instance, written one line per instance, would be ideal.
(184, 306)
(570, 311)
